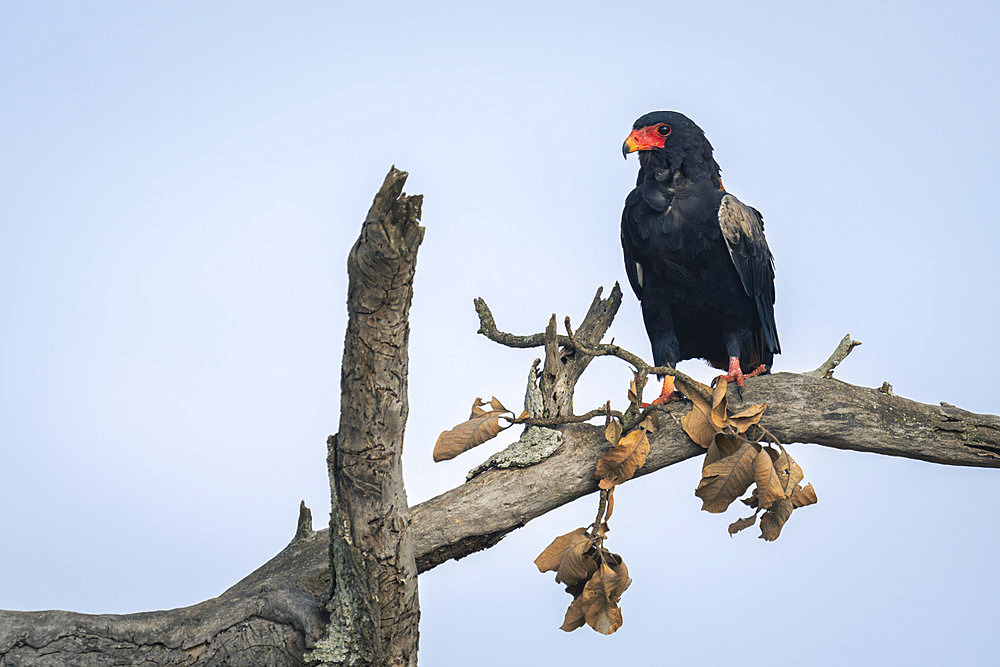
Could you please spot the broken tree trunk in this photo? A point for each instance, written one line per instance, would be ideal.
(374, 610)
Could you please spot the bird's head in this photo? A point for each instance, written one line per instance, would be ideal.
(672, 140)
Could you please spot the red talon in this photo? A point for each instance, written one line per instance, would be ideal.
(735, 373)
(667, 394)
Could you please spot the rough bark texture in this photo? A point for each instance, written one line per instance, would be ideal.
(563, 364)
(374, 610)
(269, 617)
(801, 409)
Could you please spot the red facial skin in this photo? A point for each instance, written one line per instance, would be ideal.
(647, 137)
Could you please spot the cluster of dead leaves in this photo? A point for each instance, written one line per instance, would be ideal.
(481, 426)
(738, 454)
(595, 577)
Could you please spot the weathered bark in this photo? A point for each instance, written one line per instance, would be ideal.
(268, 618)
(801, 409)
(374, 608)
(564, 364)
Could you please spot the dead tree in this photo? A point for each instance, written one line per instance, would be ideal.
(290, 610)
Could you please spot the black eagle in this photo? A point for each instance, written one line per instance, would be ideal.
(696, 255)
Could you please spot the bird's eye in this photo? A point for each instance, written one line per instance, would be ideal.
(663, 130)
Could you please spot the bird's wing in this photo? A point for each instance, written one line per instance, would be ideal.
(743, 229)
(633, 269)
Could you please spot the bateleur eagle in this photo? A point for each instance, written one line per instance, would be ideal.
(695, 255)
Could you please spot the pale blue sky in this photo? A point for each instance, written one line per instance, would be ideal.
(180, 184)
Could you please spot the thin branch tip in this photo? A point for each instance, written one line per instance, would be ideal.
(844, 348)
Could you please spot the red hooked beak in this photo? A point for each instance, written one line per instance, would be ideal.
(643, 139)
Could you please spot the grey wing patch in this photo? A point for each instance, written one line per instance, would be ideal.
(743, 229)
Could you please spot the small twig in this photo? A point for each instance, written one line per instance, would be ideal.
(843, 349)
(488, 328)
(770, 437)
(612, 350)
(573, 419)
(646, 411)
(602, 506)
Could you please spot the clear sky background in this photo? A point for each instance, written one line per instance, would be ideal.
(180, 184)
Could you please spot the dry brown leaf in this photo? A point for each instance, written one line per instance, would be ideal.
(741, 524)
(747, 417)
(650, 423)
(606, 619)
(769, 487)
(574, 616)
(698, 425)
(706, 418)
(576, 567)
(635, 388)
(619, 583)
(565, 557)
(696, 392)
(697, 422)
(723, 446)
(802, 496)
(477, 408)
(613, 431)
(619, 463)
(599, 600)
(789, 472)
(469, 434)
(727, 479)
(720, 417)
(497, 405)
(774, 519)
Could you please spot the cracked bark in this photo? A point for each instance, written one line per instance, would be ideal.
(277, 613)
(563, 363)
(373, 606)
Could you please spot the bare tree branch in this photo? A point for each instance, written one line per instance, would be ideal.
(286, 595)
(801, 409)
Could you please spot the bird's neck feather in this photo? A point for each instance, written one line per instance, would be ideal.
(695, 166)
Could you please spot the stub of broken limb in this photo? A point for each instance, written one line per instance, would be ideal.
(536, 443)
(843, 349)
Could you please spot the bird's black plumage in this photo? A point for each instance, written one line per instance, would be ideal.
(695, 255)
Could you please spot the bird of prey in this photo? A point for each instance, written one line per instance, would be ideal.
(696, 256)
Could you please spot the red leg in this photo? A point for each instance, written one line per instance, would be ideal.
(736, 374)
(667, 394)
